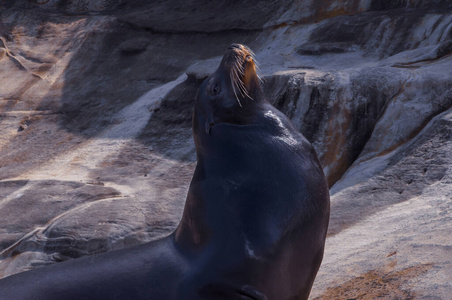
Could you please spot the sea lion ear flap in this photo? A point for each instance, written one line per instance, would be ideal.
(250, 78)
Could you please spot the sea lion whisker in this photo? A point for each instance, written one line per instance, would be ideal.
(233, 80)
(249, 50)
(236, 61)
(240, 103)
(246, 93)
(238, 82)
(234, 77)
(242, 88)
(242, 85)
(235, 72)
(239, 67)
(235, 93)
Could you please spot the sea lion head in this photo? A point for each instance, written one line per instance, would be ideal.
(232, 93)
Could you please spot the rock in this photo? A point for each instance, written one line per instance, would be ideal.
(96, 151)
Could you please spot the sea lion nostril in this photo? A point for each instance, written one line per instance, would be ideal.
(234, 46)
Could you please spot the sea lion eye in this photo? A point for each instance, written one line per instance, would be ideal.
(215, 89)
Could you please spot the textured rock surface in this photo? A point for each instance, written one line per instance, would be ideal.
(96, 150)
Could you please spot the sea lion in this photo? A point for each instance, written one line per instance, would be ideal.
(255, 217)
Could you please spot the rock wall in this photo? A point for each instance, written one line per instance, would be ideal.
(96, 152)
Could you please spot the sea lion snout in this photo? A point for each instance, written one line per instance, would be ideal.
(239, 62)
